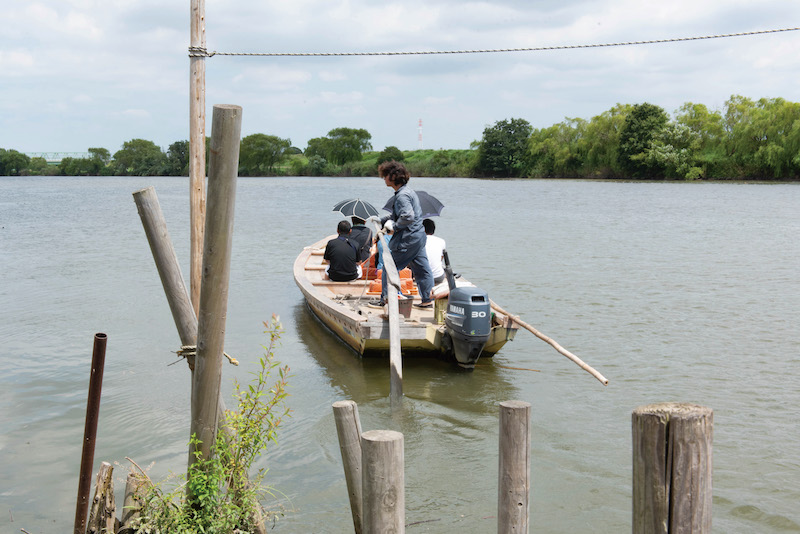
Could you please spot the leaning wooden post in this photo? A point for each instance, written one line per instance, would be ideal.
(197, 144)
(383, 482)
(155, 228)
(90, 430)
(225, 133)
(514, 480)
(393, 286)
(672, 468)
(348, 428)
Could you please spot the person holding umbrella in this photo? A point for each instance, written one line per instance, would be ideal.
(407, 245)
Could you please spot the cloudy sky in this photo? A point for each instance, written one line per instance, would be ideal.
(76, 74)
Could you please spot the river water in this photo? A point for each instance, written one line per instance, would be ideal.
(682, 292)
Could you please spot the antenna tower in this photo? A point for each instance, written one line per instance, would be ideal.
(420, 134)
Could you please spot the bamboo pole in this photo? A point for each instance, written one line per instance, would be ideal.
(383, 482)
(197, 144)
(102, 515)
(514, 471)
(348, 428)
(90, 430)
(672, 457)
(588, 368)
(393, 286)
(225, 138)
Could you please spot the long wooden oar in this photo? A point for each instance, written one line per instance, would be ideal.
(588, 368)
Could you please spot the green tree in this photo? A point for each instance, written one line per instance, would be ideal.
(642, 125)
(177, 159)
(260, 153)
(102, 155)
(503, 149)
(341, 145)
(12, 162)
(708, 127)
(139, 157)
(601, 140)
(391, 153)
(558, 150)
(38, 167)
(348, 144)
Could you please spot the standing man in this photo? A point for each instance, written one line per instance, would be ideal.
(408, 241)
(342, 256)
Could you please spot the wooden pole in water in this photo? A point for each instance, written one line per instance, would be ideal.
(90, 430)
(383, 482)
(225, 137)
(393, 286)
(348, 428)
(514, 480)
(197, 144)
(672, 468)
(588, 368)
(155, 228)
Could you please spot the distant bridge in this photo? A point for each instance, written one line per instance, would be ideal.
(56, 157)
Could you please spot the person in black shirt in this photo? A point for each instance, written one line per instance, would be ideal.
(341, 254)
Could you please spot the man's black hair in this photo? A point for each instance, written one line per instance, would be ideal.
(343, 228)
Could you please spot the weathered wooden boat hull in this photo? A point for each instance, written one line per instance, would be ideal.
(342, 307)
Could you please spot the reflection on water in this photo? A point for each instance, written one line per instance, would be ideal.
(675, 292)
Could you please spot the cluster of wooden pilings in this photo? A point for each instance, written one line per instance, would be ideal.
(671, 470)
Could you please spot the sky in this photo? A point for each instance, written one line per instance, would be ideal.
(76, 74)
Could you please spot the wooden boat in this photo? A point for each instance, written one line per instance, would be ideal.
(342, 307)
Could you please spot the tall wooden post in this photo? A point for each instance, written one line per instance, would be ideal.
(348, 428)
(225, 136)
(514, 479)
(383, 482)
(672, 468)
(197, 144)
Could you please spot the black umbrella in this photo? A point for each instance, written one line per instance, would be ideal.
(355, 207)
(431, 207)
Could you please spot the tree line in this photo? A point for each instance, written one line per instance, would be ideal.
(748, 139)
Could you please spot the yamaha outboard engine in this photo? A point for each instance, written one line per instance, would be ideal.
(468, 319)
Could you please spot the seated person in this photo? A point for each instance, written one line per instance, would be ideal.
(361, 237)
(341, 255)
(434, 248)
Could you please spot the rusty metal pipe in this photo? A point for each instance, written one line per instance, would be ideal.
(90, 431)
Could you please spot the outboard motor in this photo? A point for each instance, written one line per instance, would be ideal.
(468, 319)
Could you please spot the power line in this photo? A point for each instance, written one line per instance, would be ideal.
(202, 52)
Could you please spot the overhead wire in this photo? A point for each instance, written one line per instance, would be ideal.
(195, 51)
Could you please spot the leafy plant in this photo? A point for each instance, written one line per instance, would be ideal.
(225, 497)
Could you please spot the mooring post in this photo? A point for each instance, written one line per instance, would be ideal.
(514, 478)
(90, 431)
(223, 168)
(197, 144)
(383, 482)
(348, 428)
(672, 459)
